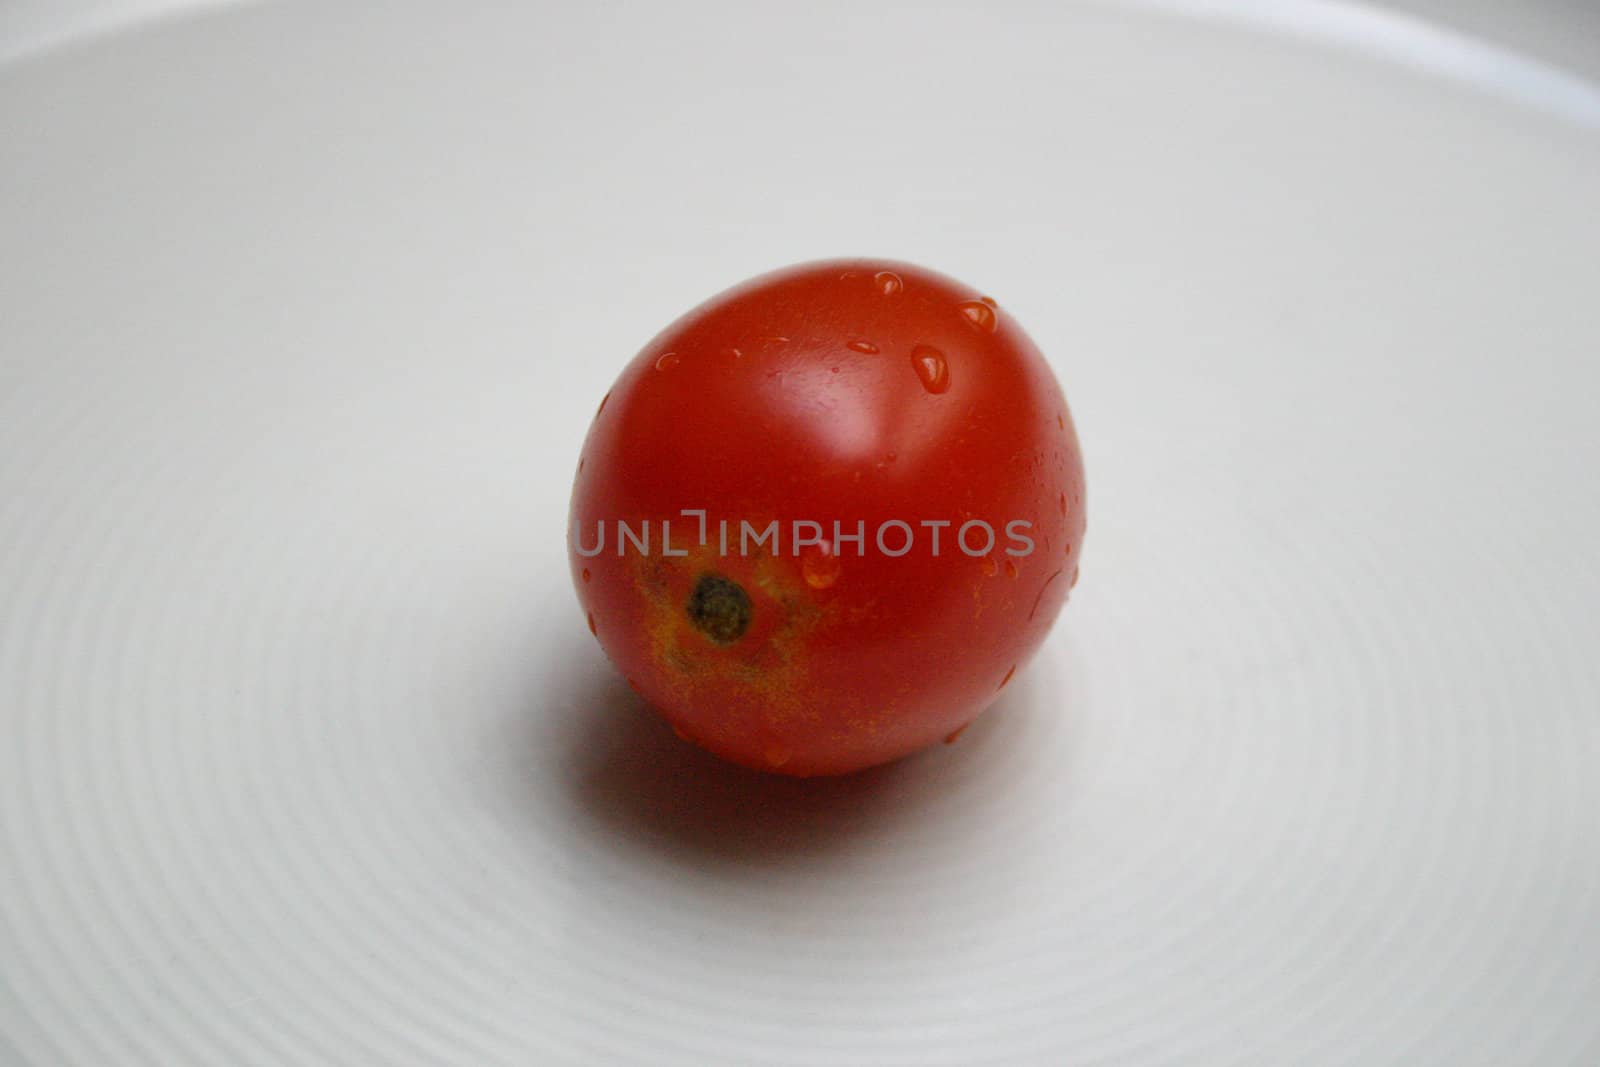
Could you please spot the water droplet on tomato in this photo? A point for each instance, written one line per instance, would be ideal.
(819, 566)
(683, 735)
(990, 301)
(735, 353)
(776, 755)
(591, 624)
(931, 368)
(1063, 503)
(888, 282)
(950, 739)
(863, 346)
(586, 574)
(602, 406)
(1073, 581)
(988, 566)
(1007, 678)
(1011, 569)
(667, 361)
(978, 314)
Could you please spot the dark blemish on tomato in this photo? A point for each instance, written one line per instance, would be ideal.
(1040, 597)
(719, 608)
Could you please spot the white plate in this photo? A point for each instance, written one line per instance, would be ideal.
(308, 757)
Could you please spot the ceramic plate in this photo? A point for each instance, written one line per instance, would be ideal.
(307, 756)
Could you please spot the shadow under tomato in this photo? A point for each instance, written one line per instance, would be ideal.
(631, 777)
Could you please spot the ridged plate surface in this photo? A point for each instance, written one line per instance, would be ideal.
(306, 755)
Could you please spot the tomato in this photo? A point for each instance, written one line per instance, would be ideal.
(903, 406)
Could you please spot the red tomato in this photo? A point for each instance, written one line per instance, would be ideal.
(877, 395)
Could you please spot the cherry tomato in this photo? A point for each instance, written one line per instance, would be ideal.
(903, 406)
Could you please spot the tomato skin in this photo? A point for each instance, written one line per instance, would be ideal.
(850, 390)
